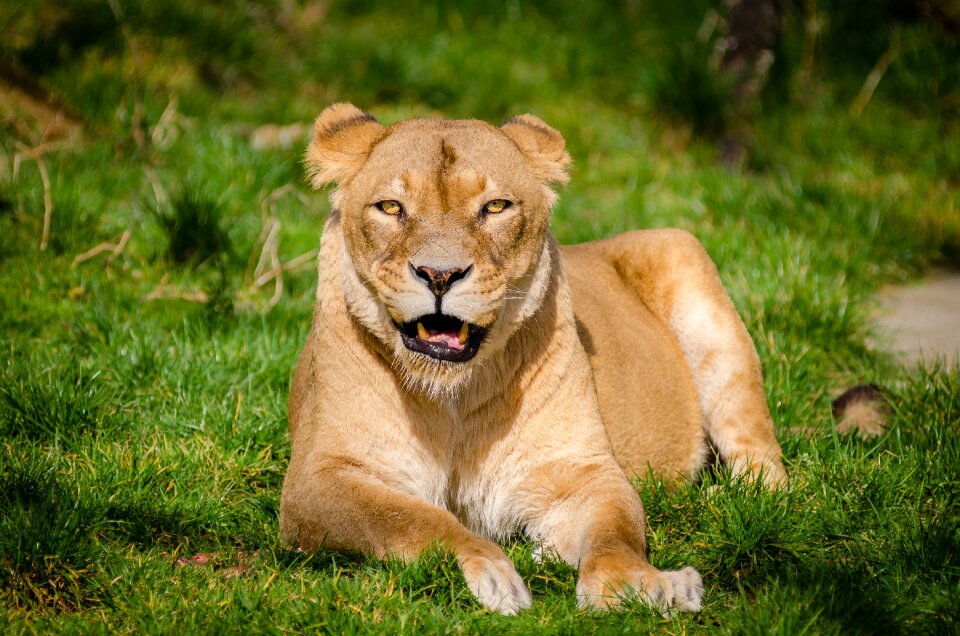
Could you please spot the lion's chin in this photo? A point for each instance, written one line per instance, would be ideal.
(442, 337)
(430, 377)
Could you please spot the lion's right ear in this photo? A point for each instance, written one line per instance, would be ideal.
(343, 136)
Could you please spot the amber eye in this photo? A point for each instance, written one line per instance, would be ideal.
(495, 206)
(393, 208)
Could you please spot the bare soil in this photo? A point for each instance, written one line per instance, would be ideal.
(921, 322)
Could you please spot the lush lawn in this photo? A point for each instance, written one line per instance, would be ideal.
(143, 387)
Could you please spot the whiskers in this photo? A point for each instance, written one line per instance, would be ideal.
(512, 292)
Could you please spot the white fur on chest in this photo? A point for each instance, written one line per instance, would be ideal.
(480, 494)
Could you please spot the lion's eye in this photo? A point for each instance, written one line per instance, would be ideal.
(495, 206)
(393, 208)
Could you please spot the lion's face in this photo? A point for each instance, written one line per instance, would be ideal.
(444, 226)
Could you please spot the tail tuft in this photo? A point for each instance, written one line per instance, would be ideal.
(864, 410)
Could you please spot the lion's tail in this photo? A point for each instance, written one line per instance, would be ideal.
(864, 410)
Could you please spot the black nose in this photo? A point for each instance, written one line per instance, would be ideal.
(440, 280)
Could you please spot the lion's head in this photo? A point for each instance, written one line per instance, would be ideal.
(444, 227)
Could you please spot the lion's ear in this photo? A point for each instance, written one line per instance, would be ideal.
(543, 147)
(343, 136)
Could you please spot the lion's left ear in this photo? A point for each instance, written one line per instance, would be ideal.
(542, 146)
(343, 136)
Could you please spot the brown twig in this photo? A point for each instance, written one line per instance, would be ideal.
(47, 203)
(36, 154)
(811, 29)
(270, 251)
(880, 68)
(269, 267)
(121, 244)
(296, 263)
(161, 131)
(163, 292)
(876, 74)
(45, 147)
(178, 294)
(106, 246)
(159, 194)
(160, 286)
(114, 248)
(292, 265)
(164, 132)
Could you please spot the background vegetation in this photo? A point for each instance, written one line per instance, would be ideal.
(146, 340)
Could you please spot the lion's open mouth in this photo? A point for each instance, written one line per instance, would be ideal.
(442, 337)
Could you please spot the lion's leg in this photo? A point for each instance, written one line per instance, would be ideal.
(674, 276)
(343, 507)
(592, 518)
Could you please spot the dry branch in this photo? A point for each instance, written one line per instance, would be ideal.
(266, 250)
(171, 122)
(880, 68)
(36, 154)
(294, 264)
(114, 248)
(876, 74)
(165, 292)
(159, 194)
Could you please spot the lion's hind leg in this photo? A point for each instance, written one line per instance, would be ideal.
(674, 276)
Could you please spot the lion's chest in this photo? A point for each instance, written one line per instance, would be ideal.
(474, 478)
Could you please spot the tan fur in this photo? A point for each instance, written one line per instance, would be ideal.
(619, 355)
(864, 410)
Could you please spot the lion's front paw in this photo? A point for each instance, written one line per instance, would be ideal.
(495, 583)
(686, 589)
(605, 585)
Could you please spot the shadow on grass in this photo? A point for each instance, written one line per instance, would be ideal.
(905, 582)
(904, 591)
(150, 523)
(194, 229)
(47, 555)
(56, 533)
(846, 599)
(39, 405)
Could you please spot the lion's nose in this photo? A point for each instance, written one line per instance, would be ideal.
(440, 280)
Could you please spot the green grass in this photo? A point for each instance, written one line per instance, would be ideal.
(143, 389)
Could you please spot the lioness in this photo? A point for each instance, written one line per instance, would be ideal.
(467, 378)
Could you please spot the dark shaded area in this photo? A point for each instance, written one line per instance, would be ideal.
(844, 598)
(194, 230)
(64, 31)
(67, 31)
(48, 561)
(149, 523)
(693, 92)
(41, 406)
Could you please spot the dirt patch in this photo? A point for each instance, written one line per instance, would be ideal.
(34, 118)
(921, 322)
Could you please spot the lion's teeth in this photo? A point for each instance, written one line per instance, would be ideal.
(462, 336)
(422, 331)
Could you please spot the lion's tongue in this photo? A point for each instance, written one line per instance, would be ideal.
(451, 339)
